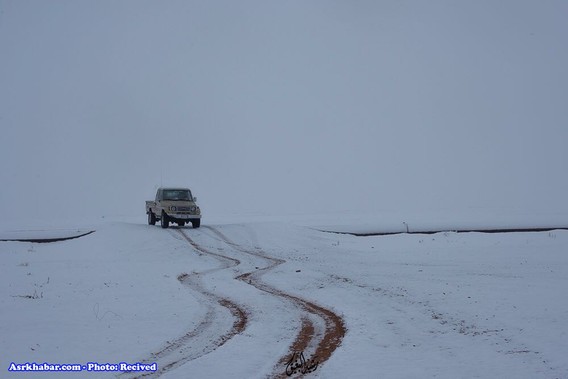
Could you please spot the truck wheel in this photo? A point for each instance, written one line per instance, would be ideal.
(151, 218)
(196, 223)
(164, 220)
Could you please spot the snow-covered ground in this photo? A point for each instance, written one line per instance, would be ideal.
(236, 299)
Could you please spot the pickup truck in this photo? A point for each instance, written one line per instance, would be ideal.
(173, 205)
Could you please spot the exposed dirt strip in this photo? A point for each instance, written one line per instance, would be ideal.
(456, 230)
(334, 326)
(47, 239)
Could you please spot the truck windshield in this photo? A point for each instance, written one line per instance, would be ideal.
(177, 195)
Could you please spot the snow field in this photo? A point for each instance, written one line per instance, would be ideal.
(446, 305)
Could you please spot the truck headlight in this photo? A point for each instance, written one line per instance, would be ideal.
(172, 208)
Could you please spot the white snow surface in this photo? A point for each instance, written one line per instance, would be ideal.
(446, 305)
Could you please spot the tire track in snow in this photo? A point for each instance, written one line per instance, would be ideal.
(410, 307)
(206, 336)
(321, 343)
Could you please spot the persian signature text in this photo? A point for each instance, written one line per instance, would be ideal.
(298, 363)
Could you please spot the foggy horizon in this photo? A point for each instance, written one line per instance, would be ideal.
(295, 107)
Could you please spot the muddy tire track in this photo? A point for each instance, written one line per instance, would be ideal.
(207, 336)
(321, 343)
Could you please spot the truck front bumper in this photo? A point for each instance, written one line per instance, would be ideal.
(182, 216)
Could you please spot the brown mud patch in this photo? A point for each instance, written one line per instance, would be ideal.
(334, 326)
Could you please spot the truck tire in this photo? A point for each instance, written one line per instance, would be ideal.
(151, 218)
(196, 223)
(164, 221)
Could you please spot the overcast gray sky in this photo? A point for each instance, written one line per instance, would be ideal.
(294, 106)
